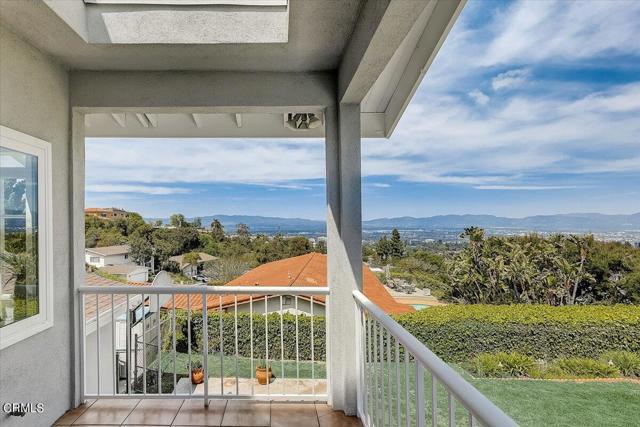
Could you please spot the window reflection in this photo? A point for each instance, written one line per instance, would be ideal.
(18, 236)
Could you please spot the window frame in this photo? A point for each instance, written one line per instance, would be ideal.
(25, 328)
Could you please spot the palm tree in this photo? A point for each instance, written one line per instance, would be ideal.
(192, 258)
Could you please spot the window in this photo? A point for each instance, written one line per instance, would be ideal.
(26, 305)
(94, 259)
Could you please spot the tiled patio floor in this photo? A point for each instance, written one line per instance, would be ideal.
(178, 412)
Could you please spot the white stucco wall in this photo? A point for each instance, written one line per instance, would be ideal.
(105, 260)
(273, 306)
(107, 350)
(34, 100)
(141, 275)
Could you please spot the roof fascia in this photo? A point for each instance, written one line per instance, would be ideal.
(381, 27)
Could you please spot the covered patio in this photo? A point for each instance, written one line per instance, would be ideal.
(338, 70)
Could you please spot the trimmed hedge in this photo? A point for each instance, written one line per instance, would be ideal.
(244, 334)
(457, 333)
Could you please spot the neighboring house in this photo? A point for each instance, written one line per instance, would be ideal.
(188, 269)
(308, 270)
(107, 255)
(106, 213)
(130, 272)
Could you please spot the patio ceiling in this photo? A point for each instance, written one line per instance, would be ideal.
(202, 54)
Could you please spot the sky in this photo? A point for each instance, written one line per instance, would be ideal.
(530, 107)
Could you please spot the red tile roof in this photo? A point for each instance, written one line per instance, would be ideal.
(309, 270)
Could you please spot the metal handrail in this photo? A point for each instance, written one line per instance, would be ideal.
(203, 289)
(478, 404)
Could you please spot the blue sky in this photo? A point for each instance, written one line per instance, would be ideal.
(530, 108)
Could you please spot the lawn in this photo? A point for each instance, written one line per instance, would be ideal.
(540, 403)
(531, 403)
(244, 366)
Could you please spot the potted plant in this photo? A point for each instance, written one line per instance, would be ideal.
(197, 373)
(264, 373)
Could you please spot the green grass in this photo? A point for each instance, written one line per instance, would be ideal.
(537, 403)
(531, 403)
(244, 366)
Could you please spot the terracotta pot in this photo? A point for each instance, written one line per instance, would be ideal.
(197, 376)
(262, 375)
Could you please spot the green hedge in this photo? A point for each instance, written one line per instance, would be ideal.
(459, 332)
(244, 334)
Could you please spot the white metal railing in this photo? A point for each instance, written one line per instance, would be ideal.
(392, 368)
(144, 315)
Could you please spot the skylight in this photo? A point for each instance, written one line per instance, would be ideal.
(187, 21)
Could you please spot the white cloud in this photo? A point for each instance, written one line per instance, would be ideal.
(140, 189)
(379, 185)
(479, 97)
(510, 79)
(561, 31)
(259, 162)
(526, 187)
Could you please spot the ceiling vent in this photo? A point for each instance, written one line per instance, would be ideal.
(302, 121)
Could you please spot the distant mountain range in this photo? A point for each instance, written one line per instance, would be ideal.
(579, 222)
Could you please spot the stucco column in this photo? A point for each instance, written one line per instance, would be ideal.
(344, 250)
(77, 247)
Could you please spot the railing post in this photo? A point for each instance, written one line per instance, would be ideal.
(205, 349)
(419, 394)
(82, 344)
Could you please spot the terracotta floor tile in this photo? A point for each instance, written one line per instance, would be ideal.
(246, 413)
(294, 415)
(338, 419)
(107, 411)
(194, 413)
(323, 409)
(154, 411)
(71, 415)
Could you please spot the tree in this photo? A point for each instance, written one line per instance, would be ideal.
(177, 220)
(383, 248)
(197, 223)
(242, 230)
(141, 245)
(321, 247)
(192, 258)
(217, 231)
(298, 245)
(396, 245)
(224, 270)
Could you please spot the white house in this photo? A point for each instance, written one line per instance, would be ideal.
(129, 272)
(107, 255)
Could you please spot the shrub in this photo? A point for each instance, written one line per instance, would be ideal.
(582, 367)
(486, 365)
(504, 365)
(457, 333)
(628, 363)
